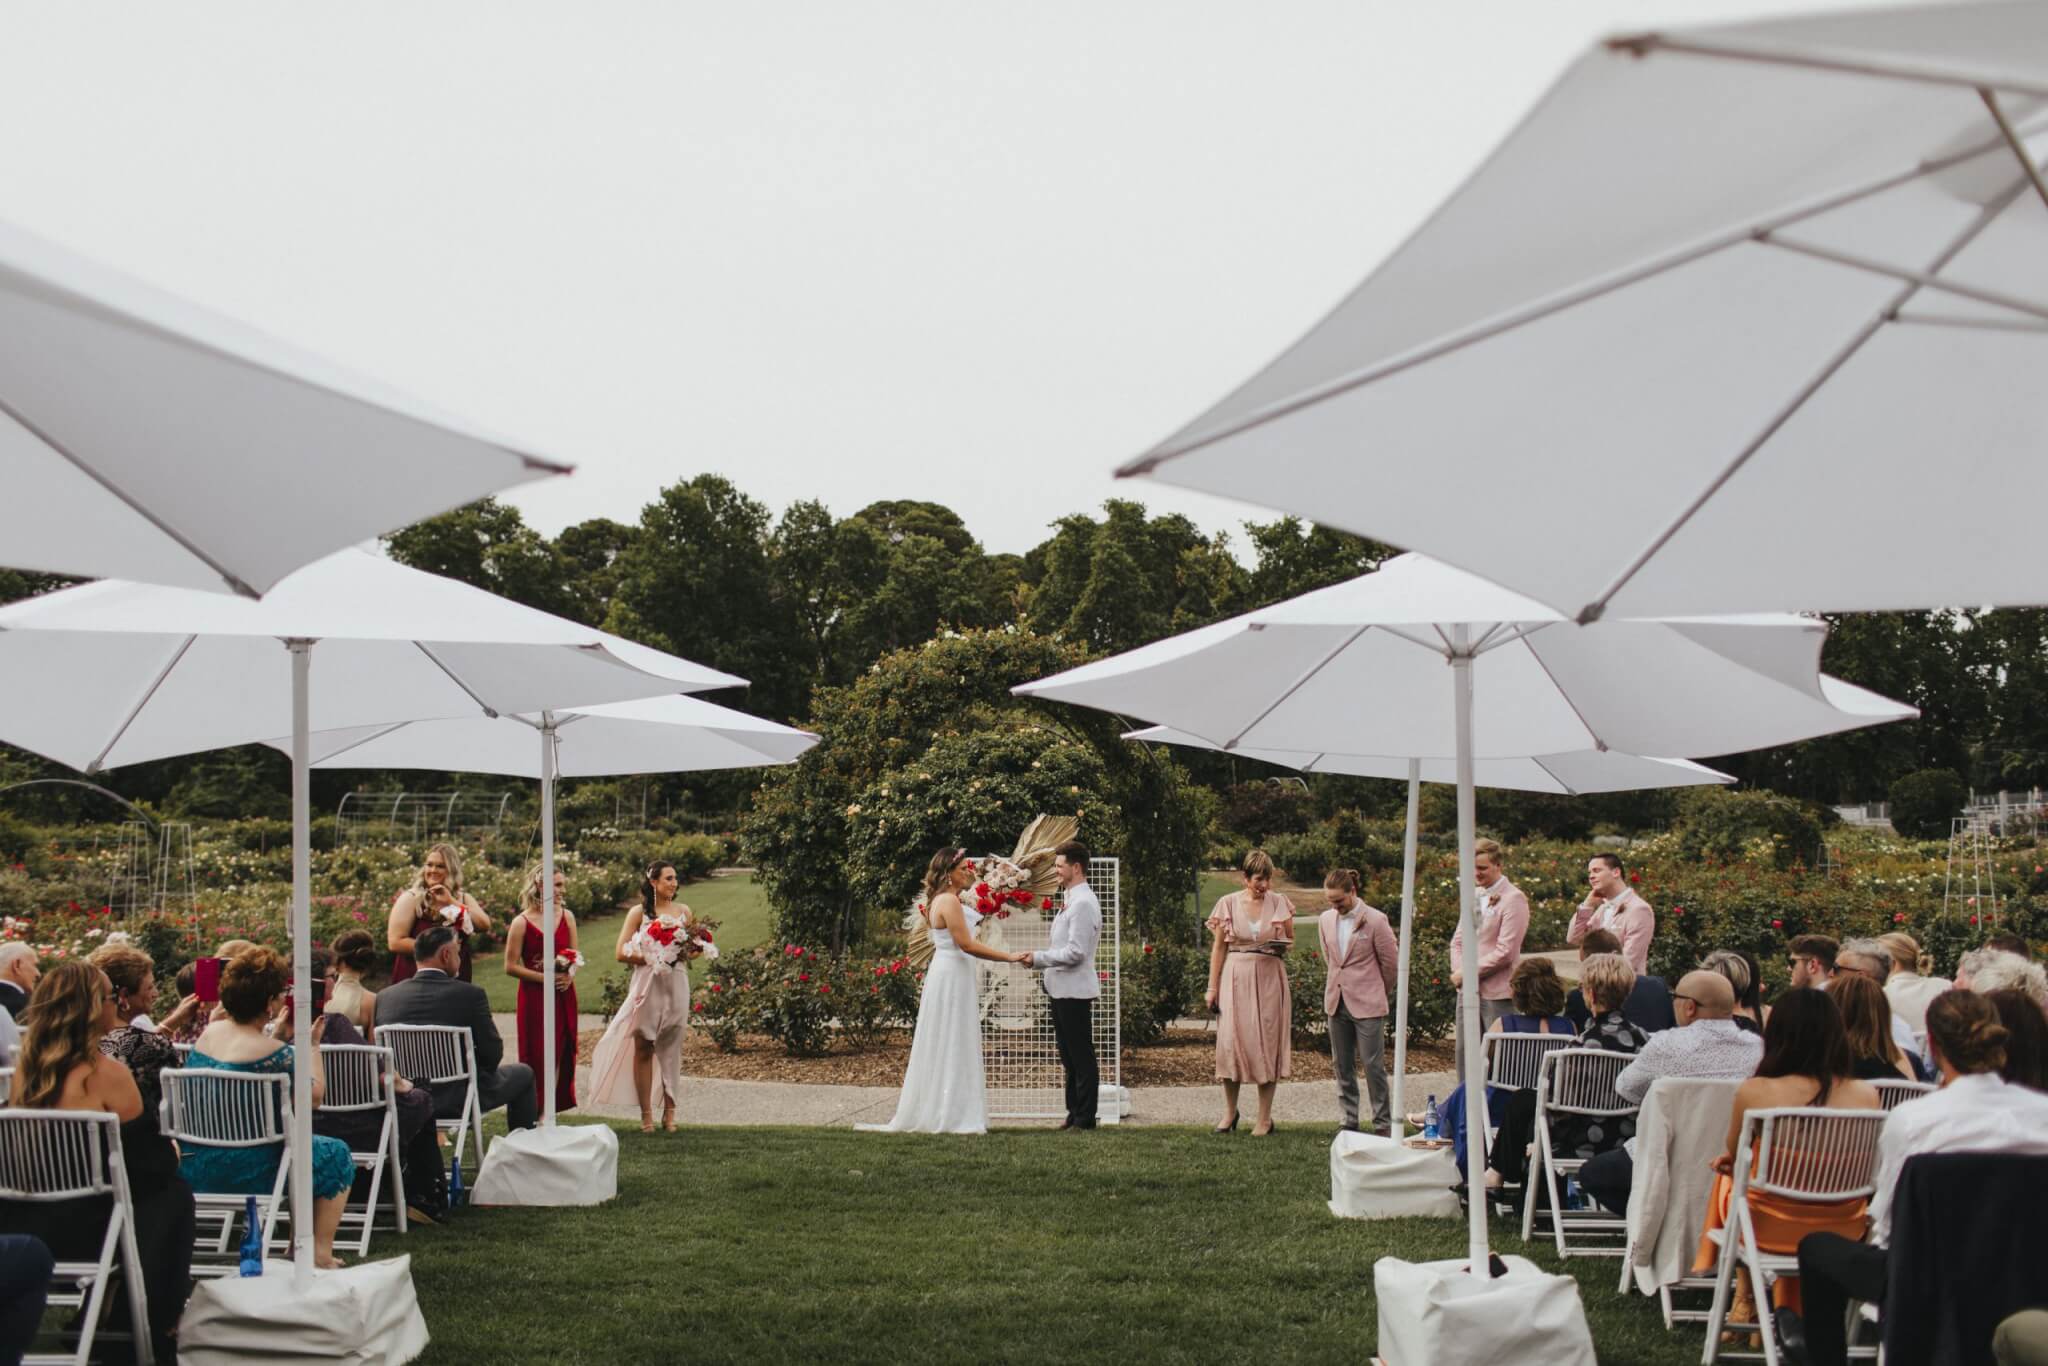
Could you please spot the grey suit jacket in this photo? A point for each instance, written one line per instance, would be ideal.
(435, 998)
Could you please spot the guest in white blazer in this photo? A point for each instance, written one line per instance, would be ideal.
(1070, 980)
(1359, 965)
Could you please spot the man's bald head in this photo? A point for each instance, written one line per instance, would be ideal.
(1711, 996)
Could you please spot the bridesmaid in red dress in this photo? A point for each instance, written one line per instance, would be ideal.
(522, 961)
(438, 886)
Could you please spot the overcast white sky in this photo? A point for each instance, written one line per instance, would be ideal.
(975, 252)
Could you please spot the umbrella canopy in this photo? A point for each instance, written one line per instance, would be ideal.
(652, 735)
(1738, 318)
(144, 437)
(1358, 667)
(1569, 775)
(115, 673)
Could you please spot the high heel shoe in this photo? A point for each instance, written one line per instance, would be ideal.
(668, 1121)
(1270, 1128)
(647, 1121)
(1229, 1128)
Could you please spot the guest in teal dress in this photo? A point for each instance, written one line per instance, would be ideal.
(252, 987)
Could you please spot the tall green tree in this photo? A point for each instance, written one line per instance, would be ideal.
(488, 545)
(1293, 558)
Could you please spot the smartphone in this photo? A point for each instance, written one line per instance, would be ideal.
(206, 979)
(319, 995)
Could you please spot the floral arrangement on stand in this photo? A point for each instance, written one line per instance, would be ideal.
(1007, 885)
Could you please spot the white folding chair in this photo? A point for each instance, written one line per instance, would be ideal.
(1897, 1093)
(441, 1055)
(360, 1081)
(1651, 1119)
(1575, 1082)
(1811, 1156)
(6, 1084)
(210, 1107)
(52, 1155)
(1516, 1060)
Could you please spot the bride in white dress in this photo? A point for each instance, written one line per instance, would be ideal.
(944, 1091)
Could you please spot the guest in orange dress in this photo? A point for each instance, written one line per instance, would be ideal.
(1806, 1062)
(1253, 930)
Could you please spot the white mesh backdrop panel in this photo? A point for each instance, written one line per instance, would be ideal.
(1019, 1053)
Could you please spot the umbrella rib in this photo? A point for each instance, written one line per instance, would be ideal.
(120, 494)
(1542, 308)
(1564, 786)
(371, 738)
(1297, 685)
(1904, 276)
(1569, 701)
(1520, 632)
(100, 759)
(1593, 610)
(1643, 45)
(2012, 140)
(455, 678)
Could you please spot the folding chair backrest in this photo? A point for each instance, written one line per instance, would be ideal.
(57, 1154)
(1897, 1093)
(358, 1076)
(435, 1054)
(225, 1109)
(1580, 1081)
(6, 1084)
(1516, 1060)
(1813, 1154)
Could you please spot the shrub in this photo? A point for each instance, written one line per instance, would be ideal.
(1924, 803)
(1266, 809)
(1717, 824)
(1161, 983)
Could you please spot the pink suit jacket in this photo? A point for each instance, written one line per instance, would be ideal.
(1634, 924)
(1366, 977)
(1503, 914)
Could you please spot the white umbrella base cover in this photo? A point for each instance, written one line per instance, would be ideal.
(1383, 1178)
(561, 1165)
(1436, 1312)
(360, 1315)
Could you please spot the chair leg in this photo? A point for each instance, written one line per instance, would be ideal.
(1724, 1288)
(391, 1160)
(1529, 1190)
(1766, 1324)
(138, 1296)
(1556, 1197)
(1664, 1303)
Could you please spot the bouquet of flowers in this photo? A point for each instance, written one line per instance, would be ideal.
(1007, 884)
(671, 944)
(568, 961)
(455, 913)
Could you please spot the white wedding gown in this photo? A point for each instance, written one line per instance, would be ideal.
(944, 1091)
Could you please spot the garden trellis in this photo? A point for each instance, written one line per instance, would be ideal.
(1020, 1055)
(406, 817)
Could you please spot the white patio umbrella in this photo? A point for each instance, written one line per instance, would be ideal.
(1576, 774)
(114, 673)
(145, 437)
(1364, 661)
(653, 735)
(1739, 318)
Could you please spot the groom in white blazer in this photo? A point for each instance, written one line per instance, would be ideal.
(1070, 980)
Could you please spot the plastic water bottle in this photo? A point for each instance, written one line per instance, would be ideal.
(1574, 1198)
(456, 1196)
(252, 1242)
(1432, 1128)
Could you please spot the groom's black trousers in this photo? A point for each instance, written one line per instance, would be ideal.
(1073, 1028)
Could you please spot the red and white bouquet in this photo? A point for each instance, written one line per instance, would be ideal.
(1002, 886)
(669, 943)
(568, 961)
(456, 913)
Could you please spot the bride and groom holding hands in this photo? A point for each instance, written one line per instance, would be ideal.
(944, 1088)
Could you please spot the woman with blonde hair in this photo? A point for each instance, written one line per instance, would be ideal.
(64, 1065)
(523, 941)
(1606, 980)
(1252, 932)
(436, 897)
(1909, 989)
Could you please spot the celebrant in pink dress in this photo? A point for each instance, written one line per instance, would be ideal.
(435, 898)
(645, 1038)
(1253, 930)
(523, 963)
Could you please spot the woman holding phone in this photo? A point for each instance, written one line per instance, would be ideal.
(435, 898)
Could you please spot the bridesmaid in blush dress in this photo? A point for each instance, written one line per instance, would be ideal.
(645, 1038)
(523, 963)
(1253, 929)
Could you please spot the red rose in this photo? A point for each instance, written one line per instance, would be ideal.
(697, 1009)
(1045, 905)
(824, 990)
(715, 988)
(1148, 948)
(1103, 975)
(1777, 924)
(1899, 919)
(1973, 920)
(1635, 877)
(981, 889)
(803, 977)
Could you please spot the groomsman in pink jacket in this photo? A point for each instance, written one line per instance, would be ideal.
(1612, 905)
(1359, 964)
(1503, 915)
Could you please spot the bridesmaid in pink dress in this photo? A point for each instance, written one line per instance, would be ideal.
(523, 963)
(1253, 929)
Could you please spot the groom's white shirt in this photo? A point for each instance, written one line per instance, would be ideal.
(1069, 965)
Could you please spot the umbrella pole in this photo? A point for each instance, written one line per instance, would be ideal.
(548, 910)
(301, 1137)
(1468, 1005)
(1407, 939)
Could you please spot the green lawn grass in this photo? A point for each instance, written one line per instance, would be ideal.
(758, 1245)
(738, 905)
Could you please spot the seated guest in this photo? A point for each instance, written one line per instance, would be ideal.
(2026, 1039)
(252, 988)
(355, 954)
(434, 995)
(137, 1043)
(1607, 980)
(19, 973)
(64, 1068)
(187, 984)
(2010, 943)
(1739, 970)
(1987, 970)
(1706, 1043)
(1909, 988)
(1975, 1111)
(1866, 1019)
(1537, 996)
(1868, 958)
(1805, 1063)
(1648, 1006)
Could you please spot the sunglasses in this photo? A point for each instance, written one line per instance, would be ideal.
(1681, 996)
